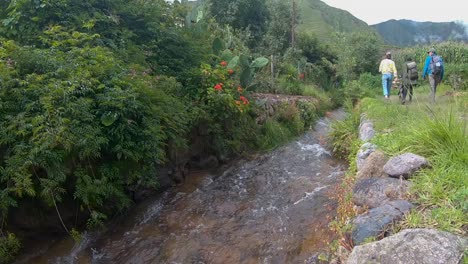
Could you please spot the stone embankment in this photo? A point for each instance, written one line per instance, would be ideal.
(381, 192)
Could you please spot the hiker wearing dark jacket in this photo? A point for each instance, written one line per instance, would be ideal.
(434, 79)
(409, 79)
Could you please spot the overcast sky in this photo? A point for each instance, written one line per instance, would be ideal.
(375, 11)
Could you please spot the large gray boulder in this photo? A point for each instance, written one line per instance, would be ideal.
(374, 192)
(404, 165)
(412, 246)
(374, 223)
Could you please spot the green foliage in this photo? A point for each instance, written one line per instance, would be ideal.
(277, 37)
(320, 63)
(9, 247)
(366, 86)
(248, 70)
(226, 110)
(76, 235)
(218, 46)
(273, 135)
(240, 15)
(290, 85)
(358, 53)
(308, 112)
(286, 124)
(73, 116)
(324, 99)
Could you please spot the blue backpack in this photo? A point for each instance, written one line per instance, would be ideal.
(436, 65)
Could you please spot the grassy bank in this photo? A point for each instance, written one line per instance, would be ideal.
(439, 133)
(436, 131)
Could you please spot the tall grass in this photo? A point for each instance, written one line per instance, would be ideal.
(344, 134)
(440, 133)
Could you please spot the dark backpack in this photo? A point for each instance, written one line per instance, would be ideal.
(412, 71)
(436, 65)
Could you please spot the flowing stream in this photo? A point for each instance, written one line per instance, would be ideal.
(271, 209)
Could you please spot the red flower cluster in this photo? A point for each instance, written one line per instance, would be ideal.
(223, 63)
(301, 76)
(239, 89)
(218, 87)
(244, 100)
(230, 71)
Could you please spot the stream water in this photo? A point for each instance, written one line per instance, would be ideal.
(271, 209)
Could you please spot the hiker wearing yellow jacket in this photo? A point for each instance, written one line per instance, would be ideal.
(388, 70)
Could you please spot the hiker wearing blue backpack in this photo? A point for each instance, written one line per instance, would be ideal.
(434, 68)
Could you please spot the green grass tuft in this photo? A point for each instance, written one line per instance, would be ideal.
(437, 132)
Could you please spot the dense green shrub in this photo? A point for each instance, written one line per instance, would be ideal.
(308, 112)
(74, 116)
(9, 247)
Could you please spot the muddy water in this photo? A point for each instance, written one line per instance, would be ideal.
(271, 209)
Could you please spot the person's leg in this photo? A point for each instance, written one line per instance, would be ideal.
(384, 84)
(404, 91)
(389, 84)
(433, 84)
(410, 92)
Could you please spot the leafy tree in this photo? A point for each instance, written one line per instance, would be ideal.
(359, 52)
(248, 15)
(278, 34)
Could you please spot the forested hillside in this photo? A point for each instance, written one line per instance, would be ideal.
(405, 33)
(323, 20)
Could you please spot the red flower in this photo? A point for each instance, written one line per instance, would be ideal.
(218, 87)
(244, 100)
(223, 63)
(230, 71)
(301, 76)
(239, 89)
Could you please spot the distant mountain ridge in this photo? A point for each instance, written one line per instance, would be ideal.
(407, 32)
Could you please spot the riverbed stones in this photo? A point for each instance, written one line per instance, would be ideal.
(405, 165)
(366, 130)
(364, 151)
(385, 198)
(374, 223)
(412, 246)
(373, 166)
(375, 192)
